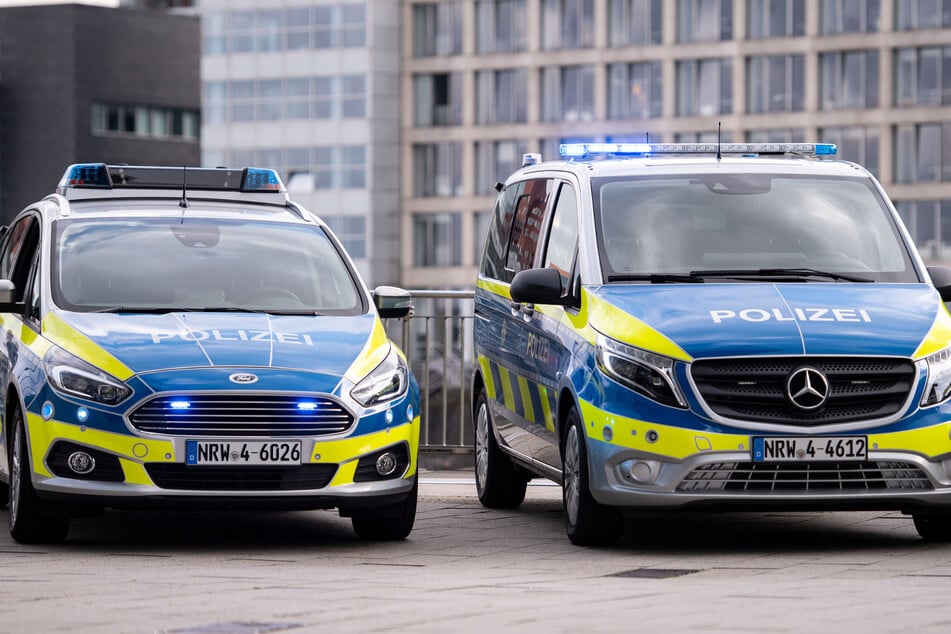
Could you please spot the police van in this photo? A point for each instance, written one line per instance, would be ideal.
(191, 338)
(707, 326)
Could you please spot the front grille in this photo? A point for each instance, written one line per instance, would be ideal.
(755, 389)
(241, 415)
(211, 478)
(811, 477)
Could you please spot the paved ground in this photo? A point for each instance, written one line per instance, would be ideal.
(469, 569)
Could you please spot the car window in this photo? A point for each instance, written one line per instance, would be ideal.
(18, 253)
(526, 226)
(563, 236)
(497, 235)
(747, 221)
(198, 263)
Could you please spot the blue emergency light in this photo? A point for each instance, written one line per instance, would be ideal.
(582, 150)
(102, 176)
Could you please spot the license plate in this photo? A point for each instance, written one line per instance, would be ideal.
(242, 453)
(809, 449)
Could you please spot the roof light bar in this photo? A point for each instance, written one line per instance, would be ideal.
(582, 150)
(102, 176)
(86, 175)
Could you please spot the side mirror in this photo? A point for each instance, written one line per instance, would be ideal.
(941, 278)
(8, 291)
(392, 302)
(538, 286)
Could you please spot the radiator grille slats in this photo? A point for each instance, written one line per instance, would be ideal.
(755, 389)
(214, 478)
(811, 477)
(241, 415)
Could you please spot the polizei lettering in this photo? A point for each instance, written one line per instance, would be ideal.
(158, 336)
(756, 315)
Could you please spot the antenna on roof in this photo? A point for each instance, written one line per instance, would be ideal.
(183, 203)
(719, 156)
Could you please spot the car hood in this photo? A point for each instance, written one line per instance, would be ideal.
(141, 343)
(713, 320)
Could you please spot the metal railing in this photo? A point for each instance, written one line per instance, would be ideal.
(437, 340)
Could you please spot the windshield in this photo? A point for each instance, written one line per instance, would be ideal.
(199, 264)
(747, 222)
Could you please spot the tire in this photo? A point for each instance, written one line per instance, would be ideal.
(933, 527)
(586, 522)
(32, 520)
(499, 483)
(388, 523)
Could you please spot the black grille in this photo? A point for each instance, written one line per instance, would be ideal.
(208, 478)
(812, 477)
(241, 415)
(755, 389)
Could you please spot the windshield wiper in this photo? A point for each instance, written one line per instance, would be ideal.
(657, 278)
(794, 272)
(133, 309)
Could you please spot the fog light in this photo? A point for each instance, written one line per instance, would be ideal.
(82, 414)
(47, 411)
(641, 471)
(81, 462)
(386, 464)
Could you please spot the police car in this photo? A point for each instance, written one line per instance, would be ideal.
(731, 326)
(190, 337)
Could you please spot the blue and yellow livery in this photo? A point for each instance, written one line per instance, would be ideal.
(709, 326)
(181, 337)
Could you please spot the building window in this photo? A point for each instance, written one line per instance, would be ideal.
(437, 29)
(290, 98)
(495, 161)
(437, 99)
(353, 167)
(353, 97)
(704, 20)
(437, 239)
(849, 80)
(635, 22)
(156, 122)
(850, 16)
(776, 18)
(923, 76)
(501, 26)
(635, 90)
(501, 96)
(782, 135)
(353, 27)
(352, 233)
(704, 87)
(922, 153)
(437, 169)
(214, 33)
(567, 24)
(567, 93)
(775, 84)
(929, 223)
(856, 144)
(911, 15)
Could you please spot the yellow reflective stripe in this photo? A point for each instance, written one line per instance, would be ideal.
(939, 337)
(523, 389)
(373, 353)
(546, 408)
(617, 324)
(348, 451)
(507, 395)
(24, 334)
(71, 340)
(929, 441)
(498, 288)
(484, 363)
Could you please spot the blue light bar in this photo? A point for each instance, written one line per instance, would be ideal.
(179, 405)
(307, 406)
(582, 150)
(258, 179)
(87, 175)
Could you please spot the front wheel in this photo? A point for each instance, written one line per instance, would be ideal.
(587, 522)
(389, 523)
(933, 527)
(499, 483)
(32, 520)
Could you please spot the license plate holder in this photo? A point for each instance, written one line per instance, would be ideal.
(810, 448)
(242, 452)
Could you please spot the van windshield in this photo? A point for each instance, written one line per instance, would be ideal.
(687, 224)
(147, 264)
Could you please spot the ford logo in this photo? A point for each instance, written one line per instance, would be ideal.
(244, 378)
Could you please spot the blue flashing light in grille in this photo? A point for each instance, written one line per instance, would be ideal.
(261, 180)
(179, 405)
(307, 406)
(87, 175)
(582, 150)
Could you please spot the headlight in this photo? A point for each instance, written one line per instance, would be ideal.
(70, 374)
(938, 388)
(650, 374)
(386, 382)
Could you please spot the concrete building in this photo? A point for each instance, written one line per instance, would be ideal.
(311, 87)
(484, 81)
(84, 83)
